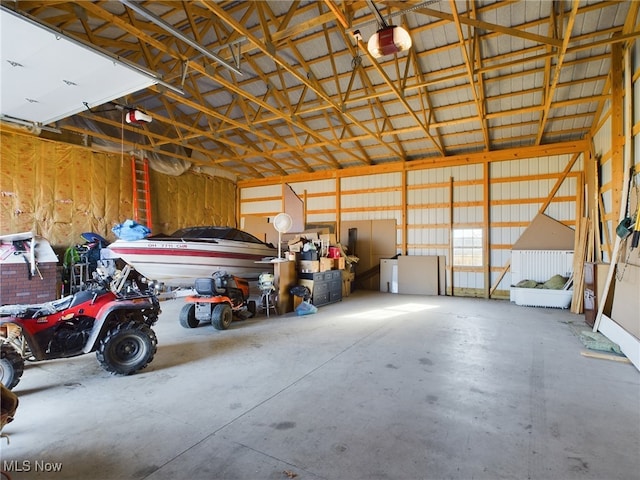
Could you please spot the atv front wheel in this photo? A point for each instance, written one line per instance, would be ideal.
(188, 316)
(11, 366)
(127, 348)
(221, 316)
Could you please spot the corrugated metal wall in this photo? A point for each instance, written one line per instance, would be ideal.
(518, 190)
(437, 201)
(602, 146)
(262, 200)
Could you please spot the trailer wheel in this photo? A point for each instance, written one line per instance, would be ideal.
(221, 316)
(188, 316)
(11, 366)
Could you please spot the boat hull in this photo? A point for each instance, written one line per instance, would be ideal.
(179, 263)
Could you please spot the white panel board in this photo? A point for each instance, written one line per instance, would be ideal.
(629, 344)
(418, 275)
(540, 265)
(47, 77)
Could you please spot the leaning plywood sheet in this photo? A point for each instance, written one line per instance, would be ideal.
(545, 233)
(294, 207)
(259, 227)
(418, 275)
(376, 239)
(626, 301)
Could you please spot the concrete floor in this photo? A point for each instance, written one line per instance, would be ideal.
(378, 386)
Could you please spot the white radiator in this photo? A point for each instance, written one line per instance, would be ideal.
(540, 265)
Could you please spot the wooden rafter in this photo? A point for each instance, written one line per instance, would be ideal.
(481, 117)
(303, 105)
(550, 92)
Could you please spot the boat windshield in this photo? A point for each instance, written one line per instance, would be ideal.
(215, 233)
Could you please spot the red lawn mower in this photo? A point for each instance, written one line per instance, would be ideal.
(217, 299)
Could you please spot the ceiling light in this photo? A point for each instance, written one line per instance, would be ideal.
(389, 39)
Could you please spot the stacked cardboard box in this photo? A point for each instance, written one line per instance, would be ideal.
(309, 266)
(332, 263)
(326, 256)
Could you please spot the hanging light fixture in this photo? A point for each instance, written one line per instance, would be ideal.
(388, 39)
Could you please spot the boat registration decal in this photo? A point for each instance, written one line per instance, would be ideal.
(167, 246)
(169, 252)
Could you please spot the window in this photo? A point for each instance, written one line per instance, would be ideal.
(467, 247)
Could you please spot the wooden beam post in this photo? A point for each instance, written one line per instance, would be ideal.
(626, 174)
(451, 232)
(617, 133)
(338, 205)
(486, 240)
(404, 246)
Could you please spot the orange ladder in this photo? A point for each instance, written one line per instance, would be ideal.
(141, 191)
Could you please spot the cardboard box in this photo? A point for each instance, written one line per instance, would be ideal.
(326, 264)
(297, 237)
(295, 247)
(328, 239)
(332, 263)
(309, 266)
(346, 287)
(347, 278)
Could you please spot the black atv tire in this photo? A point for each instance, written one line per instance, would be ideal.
(127, 348)
(222, 316)
(11, 366)
(188, 316)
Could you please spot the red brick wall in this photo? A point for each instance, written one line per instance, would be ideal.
(16, 288)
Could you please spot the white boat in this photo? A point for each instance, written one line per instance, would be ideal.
(196, 252)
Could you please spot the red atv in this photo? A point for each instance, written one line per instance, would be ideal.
(113, 317)
(218, 299)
